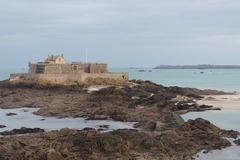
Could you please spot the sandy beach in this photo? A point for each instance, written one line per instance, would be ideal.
(225, 102)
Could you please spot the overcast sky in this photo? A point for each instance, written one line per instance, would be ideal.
(123, 33)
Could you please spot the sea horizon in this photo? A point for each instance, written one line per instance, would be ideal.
(215, 79)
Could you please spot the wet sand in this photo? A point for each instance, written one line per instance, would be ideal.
(225, 102)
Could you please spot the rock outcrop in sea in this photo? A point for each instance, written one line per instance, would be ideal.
(160, 131)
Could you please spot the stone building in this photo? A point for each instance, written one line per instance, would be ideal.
(55, 69)
(58, 65)
(55, 59)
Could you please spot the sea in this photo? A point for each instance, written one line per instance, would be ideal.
(219, 79)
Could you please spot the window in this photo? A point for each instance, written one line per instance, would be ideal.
(75, 67)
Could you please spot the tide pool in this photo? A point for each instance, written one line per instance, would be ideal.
(25, 118)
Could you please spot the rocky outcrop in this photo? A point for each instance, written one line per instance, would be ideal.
(2, 126)
(22, 130)
(162, 134)
(11, 114)
(115, 102)
(205, 132)
(182, 142)
(230, 134)
(237, 142)
(54, 155)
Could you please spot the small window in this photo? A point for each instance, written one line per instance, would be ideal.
(75, 68)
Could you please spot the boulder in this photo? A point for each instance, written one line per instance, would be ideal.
(11, 114)
(159, 125)
(54, 155)
(230, 133)
(22, 130)
(2, 126)
(237, 142)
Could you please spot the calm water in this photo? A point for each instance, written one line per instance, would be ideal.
(230, 153)
(223, 119)
(228, 80)
(25, 118)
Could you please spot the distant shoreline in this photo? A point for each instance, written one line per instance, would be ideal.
(197, 67)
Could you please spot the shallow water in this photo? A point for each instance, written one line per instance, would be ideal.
(223, 119)
(230, 153)
(25, 118)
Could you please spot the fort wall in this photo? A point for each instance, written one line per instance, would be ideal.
(68, 68)
(98, 68)
(80, 78)
(56, 70)
(32, 68)
(18, 76)
(115, 76)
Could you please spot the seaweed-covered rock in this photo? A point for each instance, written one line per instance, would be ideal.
(11, 114)
(22, 130)
(2, 126)
(237, 142)
(230, 133)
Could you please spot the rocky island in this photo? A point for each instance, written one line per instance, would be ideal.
(159, 132)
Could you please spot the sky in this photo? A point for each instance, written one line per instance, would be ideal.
(122, 33)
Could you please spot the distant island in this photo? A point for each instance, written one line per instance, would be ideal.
(202, 66)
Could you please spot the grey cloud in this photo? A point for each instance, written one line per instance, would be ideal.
(145, 32)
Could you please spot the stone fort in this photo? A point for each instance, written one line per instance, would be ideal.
(55, 69)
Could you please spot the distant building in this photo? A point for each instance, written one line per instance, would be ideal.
(56, 69)
(59, 59)
(58, 65)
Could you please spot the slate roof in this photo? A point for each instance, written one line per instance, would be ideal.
(53, 58)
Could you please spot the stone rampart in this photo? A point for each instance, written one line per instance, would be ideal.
(80, 78)
(18, 76)
(67, 68)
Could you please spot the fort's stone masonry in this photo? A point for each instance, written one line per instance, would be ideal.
(56, 70)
